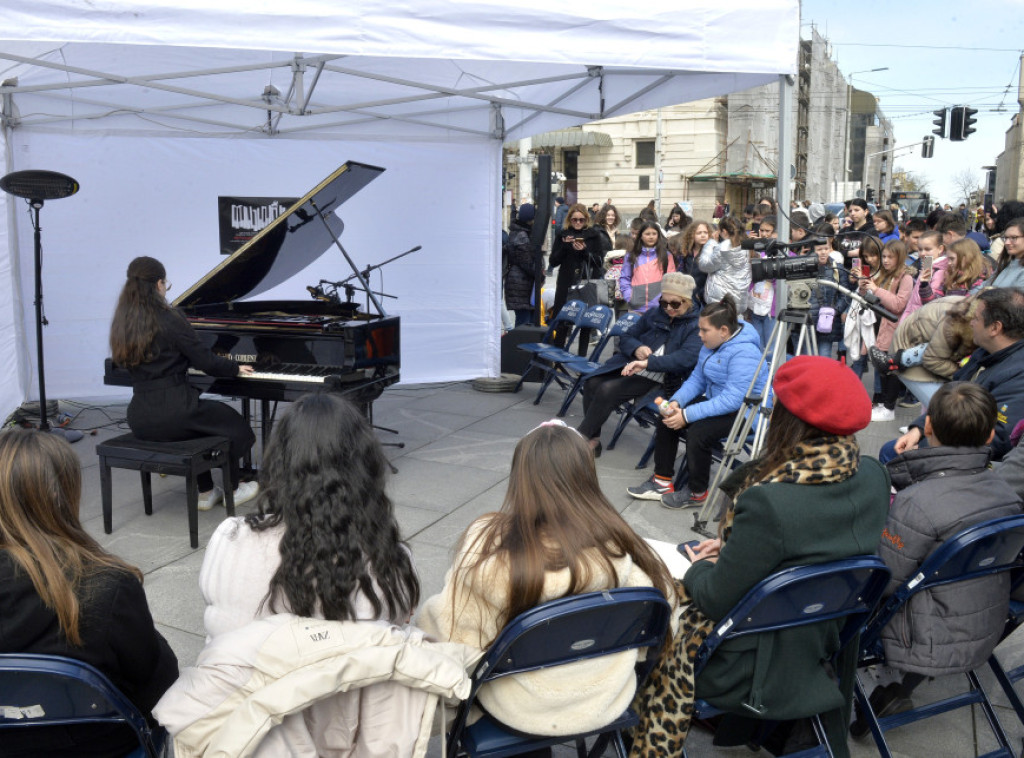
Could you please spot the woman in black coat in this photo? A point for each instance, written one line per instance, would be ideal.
(577, 253)
(520, 265)
(158, 345)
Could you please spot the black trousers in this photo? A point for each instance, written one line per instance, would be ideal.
(602, 395)
(702, 437)
(176, 413)
(891, 389)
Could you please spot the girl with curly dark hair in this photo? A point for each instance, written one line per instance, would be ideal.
(157, 345)
(325, 542)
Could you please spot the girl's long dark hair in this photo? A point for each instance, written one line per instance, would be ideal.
(323, 478)
(785, 432)
(661, 247)
(136, 318)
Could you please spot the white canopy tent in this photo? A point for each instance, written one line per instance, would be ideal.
(158, 107)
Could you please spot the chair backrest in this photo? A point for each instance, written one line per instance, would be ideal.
(596, 317)
(849, 588)
(570, 313)
(49, 690)
(989, 547)
(624, 323)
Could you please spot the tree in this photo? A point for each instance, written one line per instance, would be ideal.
(908, 181)
(967, 183)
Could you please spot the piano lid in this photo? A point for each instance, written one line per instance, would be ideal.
(284, 247)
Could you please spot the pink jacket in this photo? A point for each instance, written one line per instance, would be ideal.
(895, 302)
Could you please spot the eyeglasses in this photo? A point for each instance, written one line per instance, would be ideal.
(673, 304)
(574, 219)
(1012, 237)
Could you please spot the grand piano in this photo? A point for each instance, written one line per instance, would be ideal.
(294, 346)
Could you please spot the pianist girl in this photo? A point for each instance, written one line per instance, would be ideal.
(157, 345)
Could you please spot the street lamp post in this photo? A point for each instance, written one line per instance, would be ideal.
(849, 121)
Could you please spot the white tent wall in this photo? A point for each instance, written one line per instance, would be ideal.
(158, 196)
(12, 335)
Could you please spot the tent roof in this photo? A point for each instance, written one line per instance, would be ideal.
(317, 68)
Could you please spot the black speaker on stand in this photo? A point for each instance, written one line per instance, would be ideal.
(37, 187)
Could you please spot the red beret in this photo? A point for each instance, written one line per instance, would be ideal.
(823, 393)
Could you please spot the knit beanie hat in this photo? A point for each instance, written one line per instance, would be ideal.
(681, 285)
(823, 393)
(526, 212)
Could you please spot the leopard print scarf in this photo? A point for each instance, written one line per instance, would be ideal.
(666, 702)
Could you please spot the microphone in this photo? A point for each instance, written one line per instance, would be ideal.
(761, 244)
(318, 293)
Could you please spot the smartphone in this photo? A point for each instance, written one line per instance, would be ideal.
(926, 262)
(692, 544)
(855, 264)
(866, 269)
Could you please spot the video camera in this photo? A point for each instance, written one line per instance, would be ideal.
(782, 266)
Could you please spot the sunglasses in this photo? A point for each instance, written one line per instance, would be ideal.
(673, 304)
(577, 218)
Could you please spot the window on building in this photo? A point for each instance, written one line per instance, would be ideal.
(645, 183)
(645, 154)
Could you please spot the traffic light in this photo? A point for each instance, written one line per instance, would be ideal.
(968, 121)
(961, 123)
(928, 147)
(940, 123)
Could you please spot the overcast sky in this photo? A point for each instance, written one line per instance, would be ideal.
(939, 53)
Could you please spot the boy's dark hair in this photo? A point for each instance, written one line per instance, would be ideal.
(1005, 305)
(860, 203)
(951, 222)
(771, 221)
(933, 218)
(915, 225)
(963, 414)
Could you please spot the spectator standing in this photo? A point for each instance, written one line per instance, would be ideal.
(577, 253)
(694, 238)
(727, 265)
(608, 224)
(646, 264)
(521, 264)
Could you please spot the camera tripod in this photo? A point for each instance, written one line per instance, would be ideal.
(752, 416)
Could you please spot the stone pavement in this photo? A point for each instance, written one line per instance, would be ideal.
(454, 467)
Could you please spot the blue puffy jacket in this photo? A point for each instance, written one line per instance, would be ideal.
(723, 376)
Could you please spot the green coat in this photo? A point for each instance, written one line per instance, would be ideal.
(777, 526)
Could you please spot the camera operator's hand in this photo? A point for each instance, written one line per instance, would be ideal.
(908, 441)
(642, 353)
(675, 419)
(634, 367)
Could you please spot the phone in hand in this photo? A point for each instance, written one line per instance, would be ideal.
(855, 265)
(692, 544)
(867, 269)
(926, 262)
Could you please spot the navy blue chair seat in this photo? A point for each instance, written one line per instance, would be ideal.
(563, 631)
(50, 690)
(552, 362)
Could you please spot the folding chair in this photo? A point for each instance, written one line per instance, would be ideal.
(566, 630)
(1007, 679)
(847, 589)
(49, 690)
(645, 413)
(989, 547)
(567, 317)
(552, 361)
(583, 368)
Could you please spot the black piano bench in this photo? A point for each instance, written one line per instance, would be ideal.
(188, 458)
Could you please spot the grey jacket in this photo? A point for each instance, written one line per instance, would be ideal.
(728, 270)
(940, 491)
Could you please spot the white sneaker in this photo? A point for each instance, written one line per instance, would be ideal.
(245, 492)
(211, 498)
(882, 414)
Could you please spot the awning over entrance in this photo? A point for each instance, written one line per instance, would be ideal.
(572, 138)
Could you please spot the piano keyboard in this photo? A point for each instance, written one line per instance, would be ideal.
(309, 374)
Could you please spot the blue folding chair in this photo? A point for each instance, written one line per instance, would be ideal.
(566, 319)
(645, 413)
(49, 690)
(848, 589)
(1007, 679)
(566, 630)
(583, 368)
(551, 362)
(987, 548)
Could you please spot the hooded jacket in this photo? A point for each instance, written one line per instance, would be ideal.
(723, 376)
(941, 491)
(728, 270)
(308, 688)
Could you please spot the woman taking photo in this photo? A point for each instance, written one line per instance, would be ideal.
(577, 253)
(892, 284)
(677, 221)
(809, 498)
(157, 345)
(62, 594)
(556, 535)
